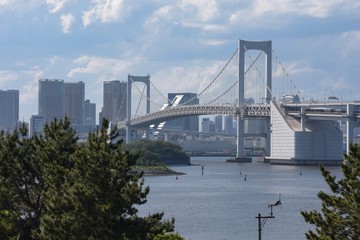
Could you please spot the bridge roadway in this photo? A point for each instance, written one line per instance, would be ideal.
(192, 110)
(324, 111)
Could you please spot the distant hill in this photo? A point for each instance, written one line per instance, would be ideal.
(157, 153)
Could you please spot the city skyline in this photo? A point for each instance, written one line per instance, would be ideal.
(182, 41)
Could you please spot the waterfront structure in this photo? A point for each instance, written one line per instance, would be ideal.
(114, 101)
(295, 142)
(37, 124)
(74, 101)
(51, 99)
(208, 146)
(9, 109)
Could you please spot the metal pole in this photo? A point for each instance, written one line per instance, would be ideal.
(259, 225)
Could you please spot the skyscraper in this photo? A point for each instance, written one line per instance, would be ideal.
(9, 109)
(90, 114)
(228, 124)
(114, 100)
(75, 102)
(218, 123)
(51, 99)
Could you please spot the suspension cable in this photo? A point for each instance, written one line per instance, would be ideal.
(142, 94)
(247, 70)
(216, 78)
(166, 99)
(261, 76)
(287, 75)
(121, 104)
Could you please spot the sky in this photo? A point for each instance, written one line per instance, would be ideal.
(179, 43)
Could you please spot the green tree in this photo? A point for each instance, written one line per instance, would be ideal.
(168, 236)
(340, 213)
(26, 169)
(51, 187)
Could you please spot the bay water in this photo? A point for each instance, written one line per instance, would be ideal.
(217, 200)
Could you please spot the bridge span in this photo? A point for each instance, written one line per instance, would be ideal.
(296, 132)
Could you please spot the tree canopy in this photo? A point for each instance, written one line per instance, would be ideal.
(51, 187)
(340, 213)
(158, 153)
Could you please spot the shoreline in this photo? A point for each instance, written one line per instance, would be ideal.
(149, 171)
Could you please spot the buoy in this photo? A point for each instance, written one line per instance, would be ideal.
(245, 178)
(176, 177)
(300, 172)
(240, 171)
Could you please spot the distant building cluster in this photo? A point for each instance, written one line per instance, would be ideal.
(57, 99)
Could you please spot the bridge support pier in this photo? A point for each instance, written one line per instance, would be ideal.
(240, 146)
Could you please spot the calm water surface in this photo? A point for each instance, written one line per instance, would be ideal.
(220, 204)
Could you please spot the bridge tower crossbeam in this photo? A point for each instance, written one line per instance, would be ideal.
(131, 79)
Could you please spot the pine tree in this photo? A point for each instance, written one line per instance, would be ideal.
(27, 167)
(98, 196)
(52, 187)
(340, 213)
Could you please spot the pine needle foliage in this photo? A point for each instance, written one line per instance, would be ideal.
(52, 187)
(340, 213)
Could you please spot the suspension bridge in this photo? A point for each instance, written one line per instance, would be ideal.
(304, 132)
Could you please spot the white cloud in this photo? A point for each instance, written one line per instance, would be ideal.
(6, 76)
(27, 95)
(193, 78)
(66, 22)
(4, 2)
(106, 11)
(103, 66)
(55, 5)
(213, 42)
(205, 10)
(350, 41)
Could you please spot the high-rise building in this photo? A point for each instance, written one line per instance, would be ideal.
(190, 123)
(90, 114)
(228, 124)
(114, 101)
(9, 109)
(51, 99)
(74, 101)
(218, 124)
(37, 124)
(207, 125)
